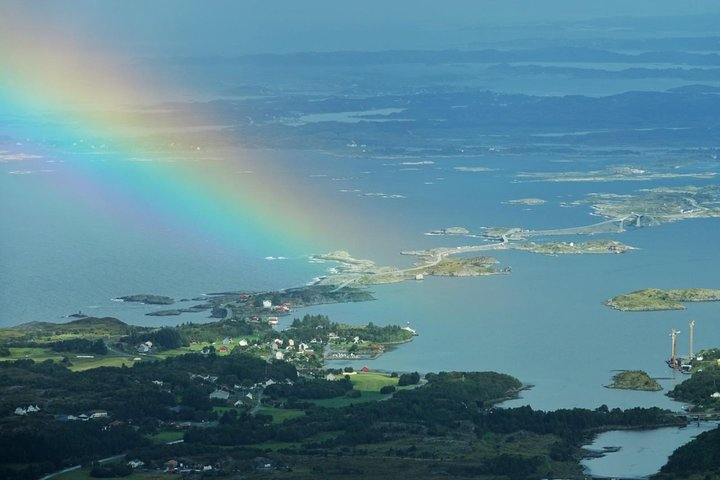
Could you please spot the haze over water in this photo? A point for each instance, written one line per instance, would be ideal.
(229, 165)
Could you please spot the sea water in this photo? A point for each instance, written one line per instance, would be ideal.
(545, 323)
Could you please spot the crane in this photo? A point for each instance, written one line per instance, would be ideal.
(673, 363)
(692, 328)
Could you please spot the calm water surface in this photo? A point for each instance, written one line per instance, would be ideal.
(545, 323)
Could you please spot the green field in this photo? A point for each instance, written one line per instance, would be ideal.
(368, 383)
(166, 436)
(280, 414)
(84, 474)
(79, 364)
(371, 381)
(37, 354)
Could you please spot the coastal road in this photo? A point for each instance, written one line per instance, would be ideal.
(431, 258)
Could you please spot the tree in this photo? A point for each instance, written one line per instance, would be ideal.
(168, 338)
(409, 379)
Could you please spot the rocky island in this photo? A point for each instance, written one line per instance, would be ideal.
(611, 174)
(564, 248)
(635, 380)
(653, 299)
(148, 299)
(450, 231)
(526, 201)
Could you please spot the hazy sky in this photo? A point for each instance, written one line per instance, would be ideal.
(259, 26)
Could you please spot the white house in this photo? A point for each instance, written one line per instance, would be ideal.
(220, 395)
(267, 304)
(25, 411)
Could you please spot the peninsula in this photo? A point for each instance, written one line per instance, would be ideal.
(653, 299)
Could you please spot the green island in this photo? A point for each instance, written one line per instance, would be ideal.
(635, 380)
(653, 299)
(148, 299)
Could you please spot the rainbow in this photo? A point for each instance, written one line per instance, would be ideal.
(81, 105)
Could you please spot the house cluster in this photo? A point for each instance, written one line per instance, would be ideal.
(331, 377)
(205, 378)
(334, 337)
(26, 410)
(83, 417)
(281, 350)
(246, 396)
(284, 308)
(145, 347)
(342, 356)
(225, 347)
(175, 466)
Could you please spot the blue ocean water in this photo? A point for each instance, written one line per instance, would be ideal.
(545, 323)
(640, 449)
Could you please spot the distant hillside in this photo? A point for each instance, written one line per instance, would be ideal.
(91, 326)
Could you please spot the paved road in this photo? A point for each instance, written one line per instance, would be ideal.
(258, 405)
(78, 467)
